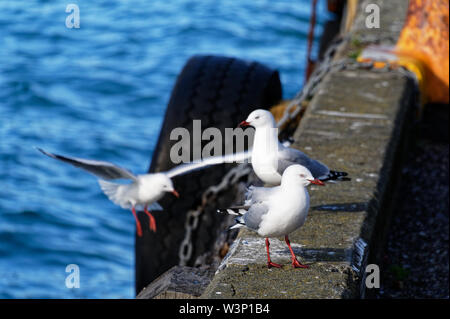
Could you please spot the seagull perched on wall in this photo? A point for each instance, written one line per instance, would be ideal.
(277, 211)
(270, 158)
(144, 190)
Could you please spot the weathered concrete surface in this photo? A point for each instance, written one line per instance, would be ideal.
(179, 282)
(357, 123)
(392, 17)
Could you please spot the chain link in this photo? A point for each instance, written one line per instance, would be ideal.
(192, 218)
(290, 113)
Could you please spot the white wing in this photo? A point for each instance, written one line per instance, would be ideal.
(215, 160)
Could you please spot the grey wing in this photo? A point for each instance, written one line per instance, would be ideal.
(104, 170)
(257, 194)
(289, 156)
(181, 169)
(254, 215)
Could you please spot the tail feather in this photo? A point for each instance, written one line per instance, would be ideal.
(236, 210)
(335, 176)
(239, 223)
(239, 211)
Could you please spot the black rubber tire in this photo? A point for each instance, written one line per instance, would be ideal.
(221, 92)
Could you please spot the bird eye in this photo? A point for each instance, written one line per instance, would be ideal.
(302, 175)
(256, 117)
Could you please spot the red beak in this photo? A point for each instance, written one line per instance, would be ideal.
(175, 193)
(317, 182)
(244, 124)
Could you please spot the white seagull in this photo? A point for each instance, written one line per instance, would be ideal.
(277, 211)
(270, 158)
(144, 190)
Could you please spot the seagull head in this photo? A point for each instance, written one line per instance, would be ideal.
(163, 183)
(298, 174)
(259, 118)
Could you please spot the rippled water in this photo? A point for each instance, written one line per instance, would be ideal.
(100, 92)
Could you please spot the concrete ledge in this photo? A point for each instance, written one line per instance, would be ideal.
(179, 282)
(357, 122)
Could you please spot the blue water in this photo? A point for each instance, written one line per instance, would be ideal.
(100, 92)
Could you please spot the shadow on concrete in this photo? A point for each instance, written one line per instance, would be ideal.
(346, 207)
(319, 254)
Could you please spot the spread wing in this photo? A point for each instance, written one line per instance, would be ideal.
(104, 170)
(215, 160)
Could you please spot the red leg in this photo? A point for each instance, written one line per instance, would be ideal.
(151, 219)
(270, 264)
(138, 224)
(295, 262)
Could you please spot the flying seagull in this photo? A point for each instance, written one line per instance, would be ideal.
(144, 190)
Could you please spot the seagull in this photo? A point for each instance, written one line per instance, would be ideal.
(270, 158)
(144, 190)
(277, 211)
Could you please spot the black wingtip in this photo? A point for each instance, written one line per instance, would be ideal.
(41, 150)
(239, 220)
(230, 210)
(338, 176)
(44, 152)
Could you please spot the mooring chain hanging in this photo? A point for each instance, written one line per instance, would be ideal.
(192, 217)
